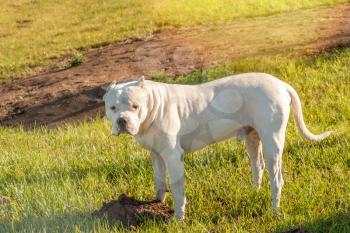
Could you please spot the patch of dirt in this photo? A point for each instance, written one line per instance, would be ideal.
(131, 212)
(297, 230)
(74, 94)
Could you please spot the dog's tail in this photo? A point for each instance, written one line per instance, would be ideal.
(298, 116)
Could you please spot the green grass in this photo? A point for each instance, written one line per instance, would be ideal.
(54, 179)
(32, 32)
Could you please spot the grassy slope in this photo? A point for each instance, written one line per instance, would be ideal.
(32, 32)
(55, 179)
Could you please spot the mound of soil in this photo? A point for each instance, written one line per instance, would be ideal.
(131, 212)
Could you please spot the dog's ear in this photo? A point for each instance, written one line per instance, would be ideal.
(142, 82)
(107, 87)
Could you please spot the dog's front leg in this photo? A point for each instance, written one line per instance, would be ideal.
(175, 164)
(159, 171)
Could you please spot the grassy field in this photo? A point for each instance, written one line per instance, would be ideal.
(51, 181)
(32, 32)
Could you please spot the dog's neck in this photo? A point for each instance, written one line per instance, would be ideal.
(154, 104)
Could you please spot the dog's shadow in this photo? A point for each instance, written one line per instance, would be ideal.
(84, 222)
(339, 222)
(68, 222)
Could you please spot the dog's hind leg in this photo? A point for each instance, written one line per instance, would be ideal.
(273, 144)
(254, 148)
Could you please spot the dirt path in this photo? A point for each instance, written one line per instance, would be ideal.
(73, 94)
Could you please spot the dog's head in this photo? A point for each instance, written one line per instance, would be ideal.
(126, 106)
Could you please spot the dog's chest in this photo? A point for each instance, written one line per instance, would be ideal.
(147, 142)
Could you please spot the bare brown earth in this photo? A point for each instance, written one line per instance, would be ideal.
(131, 212)
(74, 93)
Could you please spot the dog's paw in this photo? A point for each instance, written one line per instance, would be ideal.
(277, 213)
(174, 219)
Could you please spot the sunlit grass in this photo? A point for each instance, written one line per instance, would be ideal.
(34, 31)
(54, 179)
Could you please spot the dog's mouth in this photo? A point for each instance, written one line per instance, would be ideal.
(123, 130)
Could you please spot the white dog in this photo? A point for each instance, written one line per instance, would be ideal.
(169, 120)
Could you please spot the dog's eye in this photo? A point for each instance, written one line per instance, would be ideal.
(113, 108)
(135, 106)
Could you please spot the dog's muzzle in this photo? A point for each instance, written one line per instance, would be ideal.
(122, 125)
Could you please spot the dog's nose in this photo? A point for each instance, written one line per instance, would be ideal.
(121, 122)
